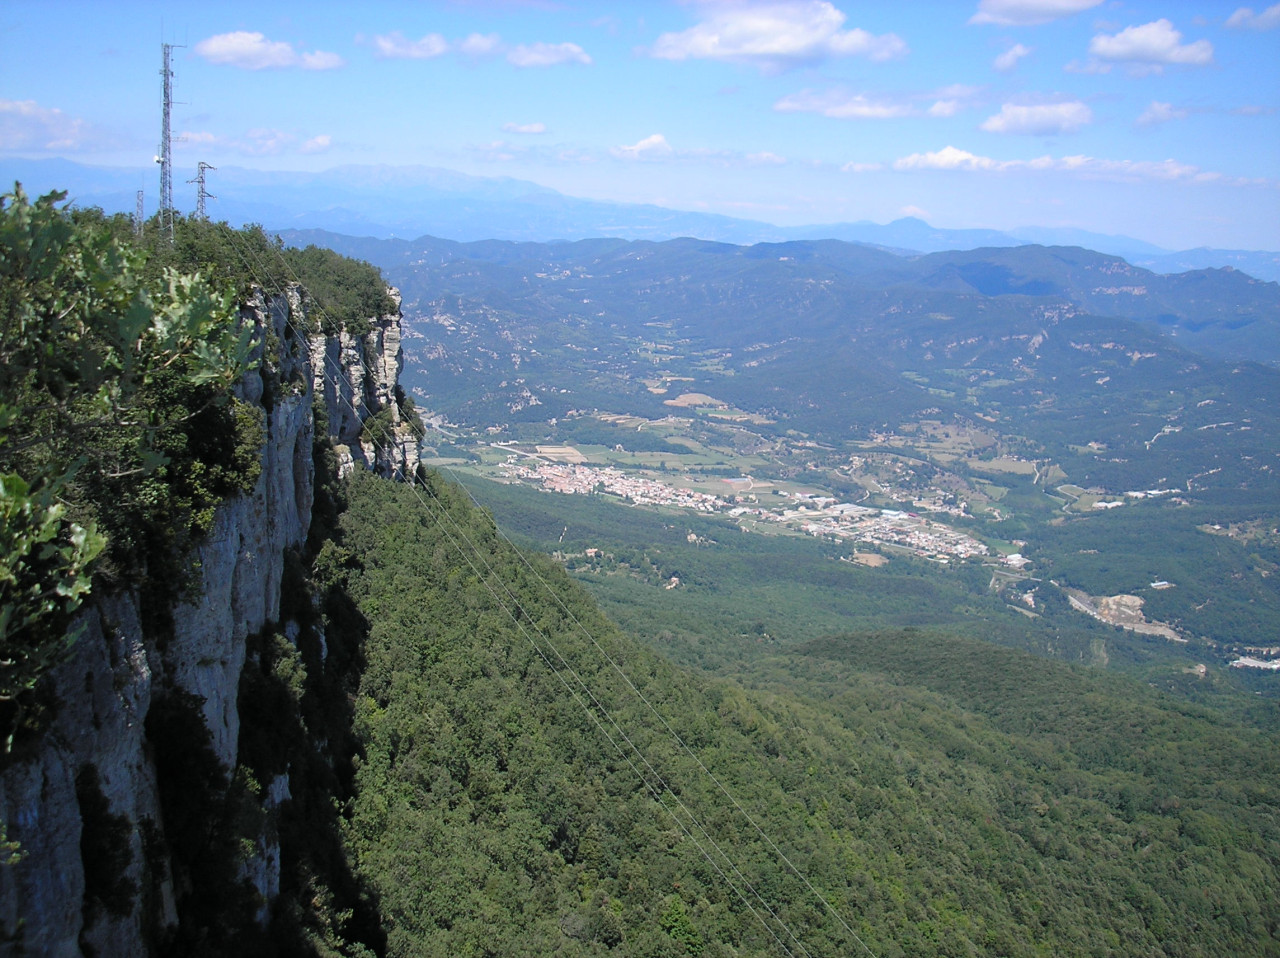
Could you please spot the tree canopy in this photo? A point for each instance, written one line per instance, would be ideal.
(118, 433)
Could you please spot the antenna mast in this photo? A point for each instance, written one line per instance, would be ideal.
(137, 216)
(165, 155)
(201, 193)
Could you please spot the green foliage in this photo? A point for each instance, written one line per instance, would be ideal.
(948, 797)
(379, 429)
(347, 292)
(114, 387)
(676, 923)
(409, 414)
(350, 291)
(212, 824)
(295, 712)
(44, 563)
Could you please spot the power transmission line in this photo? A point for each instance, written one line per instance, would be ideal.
(654, 781)
(201, 193)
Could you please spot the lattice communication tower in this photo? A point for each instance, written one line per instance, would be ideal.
(165, 155)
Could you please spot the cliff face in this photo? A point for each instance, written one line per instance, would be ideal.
(148, 692)
(357, 377)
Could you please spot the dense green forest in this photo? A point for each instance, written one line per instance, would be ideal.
(743, 596)
(514, 794)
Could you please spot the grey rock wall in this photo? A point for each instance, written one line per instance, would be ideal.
(116, 673)
(357, 378)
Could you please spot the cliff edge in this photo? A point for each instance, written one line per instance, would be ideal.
(114, 809)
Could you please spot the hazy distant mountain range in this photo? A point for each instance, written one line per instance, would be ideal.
(1222, 313)
(413, 201)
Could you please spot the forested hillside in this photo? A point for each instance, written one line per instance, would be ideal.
(517, 795)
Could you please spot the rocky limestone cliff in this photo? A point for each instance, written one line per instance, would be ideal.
(357, 377)
(97, 873)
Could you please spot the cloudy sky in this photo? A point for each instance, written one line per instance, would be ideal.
(1153, 119)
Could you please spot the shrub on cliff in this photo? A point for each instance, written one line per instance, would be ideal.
(118, 433)
(348, 292)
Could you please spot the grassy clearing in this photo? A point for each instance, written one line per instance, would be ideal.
(1017, 467)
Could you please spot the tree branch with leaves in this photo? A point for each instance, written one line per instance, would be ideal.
(118, 430)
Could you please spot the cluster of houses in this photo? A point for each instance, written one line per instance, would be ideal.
(572, 478)
(890, 527)
(816, 515)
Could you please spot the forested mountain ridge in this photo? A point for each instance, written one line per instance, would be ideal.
(370, 725)
(1224, 312)
(972, 386)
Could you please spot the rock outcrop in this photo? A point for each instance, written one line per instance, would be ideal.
(358, 376)
(96, 873)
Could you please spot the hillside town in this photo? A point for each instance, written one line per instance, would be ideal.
(820, 516)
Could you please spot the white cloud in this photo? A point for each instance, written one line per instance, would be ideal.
(547, 54)
(321, 60)
(480, 45)
(1154, 44)
(194, 138)
(261, 141)
(527, 128)
(1136, 169)
(915, 211)
(766, 159)
(1246, 19)
(317, 144)
(253, 51)
(395, 46)
(25, 125)
(266, 142)
(776, 35)
(841, 105)
(1039, 120)
(495, 152)
(1009, 13)
(1009, 59)
(1088, 67)
(861, 167)
(961, 91)
(1159, 112)
(947, 158)
(651, 147)
(477, 45)
(1089, 167)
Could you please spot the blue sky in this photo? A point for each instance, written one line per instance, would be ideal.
(1153, 119)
